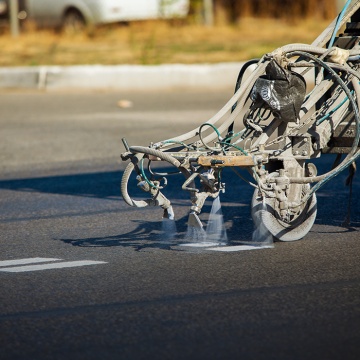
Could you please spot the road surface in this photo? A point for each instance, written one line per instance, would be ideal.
(83, 276)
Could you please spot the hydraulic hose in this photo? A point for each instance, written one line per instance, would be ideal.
(325, 36)
(239, 96)
(139, 153)
(242, 93)
(162, 155)
(338, 22)
(124, 182)
(240, 78)
(353, 154)
(157, 153)
(247, 87)
(254, 76)
(308, 49)
(321, 179)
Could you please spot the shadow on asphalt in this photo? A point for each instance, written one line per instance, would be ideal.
(100, 185)
(332, 206)
(150, 234)
(145, 235)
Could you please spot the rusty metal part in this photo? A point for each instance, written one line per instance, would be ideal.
(223, 161)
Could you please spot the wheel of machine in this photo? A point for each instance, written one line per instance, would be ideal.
(265, 213)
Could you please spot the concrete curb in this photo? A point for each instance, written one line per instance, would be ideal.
(122, 77)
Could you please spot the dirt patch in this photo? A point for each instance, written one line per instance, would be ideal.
(155, 42)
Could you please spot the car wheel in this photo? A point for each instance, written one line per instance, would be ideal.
(73, 22)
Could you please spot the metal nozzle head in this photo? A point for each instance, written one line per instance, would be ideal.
(126, 145)
(169, 213)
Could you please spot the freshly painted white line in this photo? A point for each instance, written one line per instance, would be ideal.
(58, 265)
(26, 261)
(201, 244)
(238, 248)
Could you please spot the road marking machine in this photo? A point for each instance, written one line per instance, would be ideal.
(293, 105)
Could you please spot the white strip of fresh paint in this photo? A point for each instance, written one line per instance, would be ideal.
(238, 248)
(26, 261)
(201, 244)
(58, 265)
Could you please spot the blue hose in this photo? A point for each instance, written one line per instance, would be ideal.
(337, 25)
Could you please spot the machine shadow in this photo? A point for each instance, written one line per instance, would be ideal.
(149, 234)
(103, 185)
(145, 235)
(156, 235)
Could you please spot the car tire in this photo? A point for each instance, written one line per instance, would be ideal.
(74, 22)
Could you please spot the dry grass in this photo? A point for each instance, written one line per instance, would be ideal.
(155, 43)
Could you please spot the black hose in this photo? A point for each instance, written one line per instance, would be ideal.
(238, 84)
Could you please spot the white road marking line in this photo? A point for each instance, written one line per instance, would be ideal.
(26, 261)
(58, 265)
(201, 244)
(238, 248)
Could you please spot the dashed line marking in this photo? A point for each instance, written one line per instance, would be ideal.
(222, 247)
(26, 261)
(38, 267)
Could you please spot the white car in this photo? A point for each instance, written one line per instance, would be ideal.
(74, 14)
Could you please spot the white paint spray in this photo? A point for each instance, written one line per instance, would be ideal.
(215, 233)
(261, 235)
(168, 229)
(195, 233)
(215, 230)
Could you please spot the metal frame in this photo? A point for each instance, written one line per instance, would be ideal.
(276, 138)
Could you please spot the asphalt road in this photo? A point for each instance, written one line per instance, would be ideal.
(113, 287)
